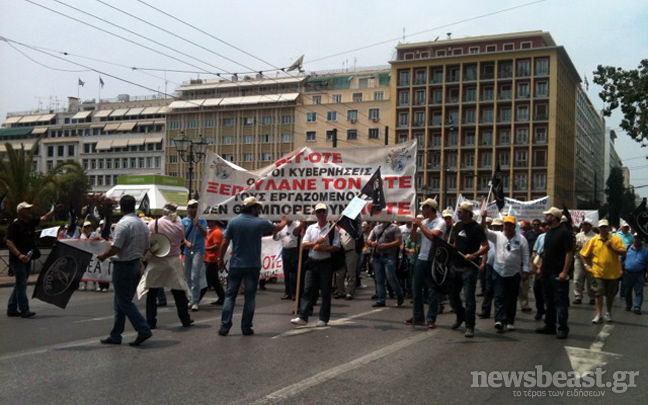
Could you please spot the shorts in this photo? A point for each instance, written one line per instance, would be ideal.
(605, 288)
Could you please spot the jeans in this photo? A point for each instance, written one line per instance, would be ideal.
(582, 279)
(180, 298)
(18, 298)
(466, 278)
(195, 273)
(556, 297)
(423, 277)
(290, 259)
(125, 277)
(235, 277)
(487, 302)
(633, 280)
(385, 268)
(214, 281)
(506, 293)
(319, 276)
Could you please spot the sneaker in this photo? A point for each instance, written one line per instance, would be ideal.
(104, 290)
(412, 321)
(499, 327)
(349, 297)
(97, 289)
(378, 305)
(194, 307)
(510, 327)
(321, 323)
(470, 332)
(561, 335)
(597, 320)
(608, 317)
(223, 332)
(577, 301)
(298, 321)
(456, 325)
(140, 339)
(431, 325)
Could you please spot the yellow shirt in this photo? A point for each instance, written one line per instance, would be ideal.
(605, 263)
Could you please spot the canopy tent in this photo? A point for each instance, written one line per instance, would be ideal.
(160, 190)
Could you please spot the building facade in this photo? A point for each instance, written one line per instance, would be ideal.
(476, 103)
(590, 153)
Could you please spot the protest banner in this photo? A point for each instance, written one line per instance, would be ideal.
(271, 264)
(524, 210)
(294, 184)
(578, 216)
(95, 270)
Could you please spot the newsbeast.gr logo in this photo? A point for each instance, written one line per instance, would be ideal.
(60, 276)
(577, 384)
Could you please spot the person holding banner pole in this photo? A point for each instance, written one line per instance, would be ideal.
(244, 232)
(194, 252)
(289, 237)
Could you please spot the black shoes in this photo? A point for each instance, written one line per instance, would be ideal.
(223, 332)
(561, 335)
(13, 314)
(456, 325)
(27, 314)
(140, 339)
(546, 331)
(577, 301)
(400, 300)
(378, 305)
(248, 332)
(109, 341)
(220, 302)
(483, 315)
(188, 323)
(412, 321)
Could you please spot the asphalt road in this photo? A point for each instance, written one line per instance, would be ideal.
(366, 356)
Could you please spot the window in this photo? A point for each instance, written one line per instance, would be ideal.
(542, 89)
(404, 78)
(420, 77)
(505, 70)
(403, 98)
(61, 151)
(542, 66)
(317, 99)
(336, 98)
(504, 158)
(93, 181)
(505, 92)
(228, 140)
(248, 157)
(504, 137)
(452, 159)
(522, 136)
(352, 134)
(70, 150)
(541, 135)
(522, 113)
(311, 135)
(525, 45)
(266, 156)
(286, 138)
(469, 159)
(508, 47)
(266, 138)
(471, 94)
(473, 50)
(540, 158)
(523, 90)
(287, 119)
(118, 163)
(108, 180)
(520, 182)
(541, 112)
(505, 114)
(150, 162)
(174, 125)
(403, 119)
(453, 138)
(331, 116)
(191, 124)
(469, 181)
(539, 181)
(487, 115)
(141, 163)
(491, 48)
(374, 133)
(352, 115)
(266, 121)
(363, 83)
(374, 114)
(440, 53)
(452, 183)
(469, 139)
(487, 93)
(248, 139)
(470, 116)
(521, 158)
(486, 138)
(210, 123)
(133, 163)
(311, 117)
(419, 118)
(436, 140)
(109, 163)
(486, 159)
(50, 150)
(173, 159)
(93, 164)
(100, 180)
(420, 139)
(419, 161)
(435, 161)
(357, 97)
(470, 73)
(378, 95)
(124, 163)
(248, 121)
(85, 164)
(329, 135)
(229, 122)
(523, 68)
(228, 157)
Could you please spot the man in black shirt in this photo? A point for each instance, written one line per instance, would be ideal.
(20, 241)
(558, 257)
(470, 240)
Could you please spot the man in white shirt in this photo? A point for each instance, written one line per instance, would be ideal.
(289, 237)
(582, 277)
(319, 272)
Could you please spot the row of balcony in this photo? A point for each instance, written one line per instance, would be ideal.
(436, 80)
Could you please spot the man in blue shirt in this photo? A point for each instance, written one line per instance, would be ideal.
(244, 232)
(636, 264)
(194, 252)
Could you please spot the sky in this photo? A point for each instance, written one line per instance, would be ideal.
(244, 36)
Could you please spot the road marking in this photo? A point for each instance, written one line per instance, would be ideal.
(160, 311)
(598, 343)
(588, 360)
(298, 387)
(310, 328)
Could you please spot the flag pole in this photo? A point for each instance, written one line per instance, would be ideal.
(299, 271)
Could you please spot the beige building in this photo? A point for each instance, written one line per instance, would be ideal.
(477, 102)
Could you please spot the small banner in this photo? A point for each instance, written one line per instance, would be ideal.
(524, 210)
(61, 274)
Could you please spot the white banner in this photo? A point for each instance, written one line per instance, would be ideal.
(271, 263)
(578, 216)
(524, 210)
(294, 184)
(96, 271)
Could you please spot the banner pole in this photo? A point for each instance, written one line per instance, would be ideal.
(299, 268)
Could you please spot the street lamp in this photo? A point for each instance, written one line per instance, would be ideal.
(190, 151)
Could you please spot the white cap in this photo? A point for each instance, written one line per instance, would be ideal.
(192, 202)
(603, 222)
(211, 217)
(556, 212)
(497, 222)
(447, 213)
(87, 223)
(489, 220)
(23, 205)
(623, 223)
(250, 202)
(431, 202)
(321, 206)
(466, 206)
(587, 221)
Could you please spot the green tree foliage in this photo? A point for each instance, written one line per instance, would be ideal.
(627, 89)
(614, 190)
(66, 182)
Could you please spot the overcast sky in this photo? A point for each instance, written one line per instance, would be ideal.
(592, 31)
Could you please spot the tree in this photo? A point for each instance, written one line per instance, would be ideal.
(629, 90)
(615, 191)
(19, 181)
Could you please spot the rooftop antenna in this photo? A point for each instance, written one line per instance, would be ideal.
(449, 34)
(403, 34)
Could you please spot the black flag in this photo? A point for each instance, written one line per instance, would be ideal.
(351, 226)
(497, 186)
(444, 254)
(638, 220)
(73, 218)
(61, 274)
(145, 205)
(568, 215)
(374, 190)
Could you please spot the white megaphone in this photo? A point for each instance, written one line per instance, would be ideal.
(159, 245)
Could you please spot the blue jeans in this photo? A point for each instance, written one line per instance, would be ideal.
(385, 268)
(633, 280)
(195, 272)
(556, 297)
(290, 259)
(18, 298)
(235, 277)
(125, 277)
(464, 278)
(423, 277)
(506, 291)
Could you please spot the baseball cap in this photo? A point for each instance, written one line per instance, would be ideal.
(447, 213)
(497, 222)
(556, 212)
(603, 222)
(623, 223)
(172, 207)
(321, 206)
(192, 202)
(563, 219)
(87, 223)
(23, 205)
(211, 217)
(466, 206)
(587, 221)
(489, 220)
(248, 202)
(509, 219)
(431, 202)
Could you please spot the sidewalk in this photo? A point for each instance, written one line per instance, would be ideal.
(9, 281)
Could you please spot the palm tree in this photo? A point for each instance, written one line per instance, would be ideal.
(19, 181)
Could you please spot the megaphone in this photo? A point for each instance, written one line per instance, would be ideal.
(159, 245)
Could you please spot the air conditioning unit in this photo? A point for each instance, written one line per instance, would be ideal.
(375, 119)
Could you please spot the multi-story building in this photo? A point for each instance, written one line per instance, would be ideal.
(111, 138)
(590, 153)
(355, 104)
(612, 158)
(478, 102)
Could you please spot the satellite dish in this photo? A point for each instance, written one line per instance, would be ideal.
(160, 245)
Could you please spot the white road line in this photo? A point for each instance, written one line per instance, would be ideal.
(310, 328)
(597, 345)
(298, 387)
(160, 311)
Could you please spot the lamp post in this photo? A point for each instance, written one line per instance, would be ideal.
(190, 151)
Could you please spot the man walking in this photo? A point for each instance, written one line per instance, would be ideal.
(557, 259)
(212, 253)
(605, 251)
(244, 232)
(130, 242)
(289, 237)
(385, 238)
(582, 277)
(194, 252)
(636, 265)
(20, 242)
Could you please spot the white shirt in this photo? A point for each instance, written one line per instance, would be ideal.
(286, 236)
(313, 233)
(405, 231)
(512, 259)
(131, 235)
(438, 224)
